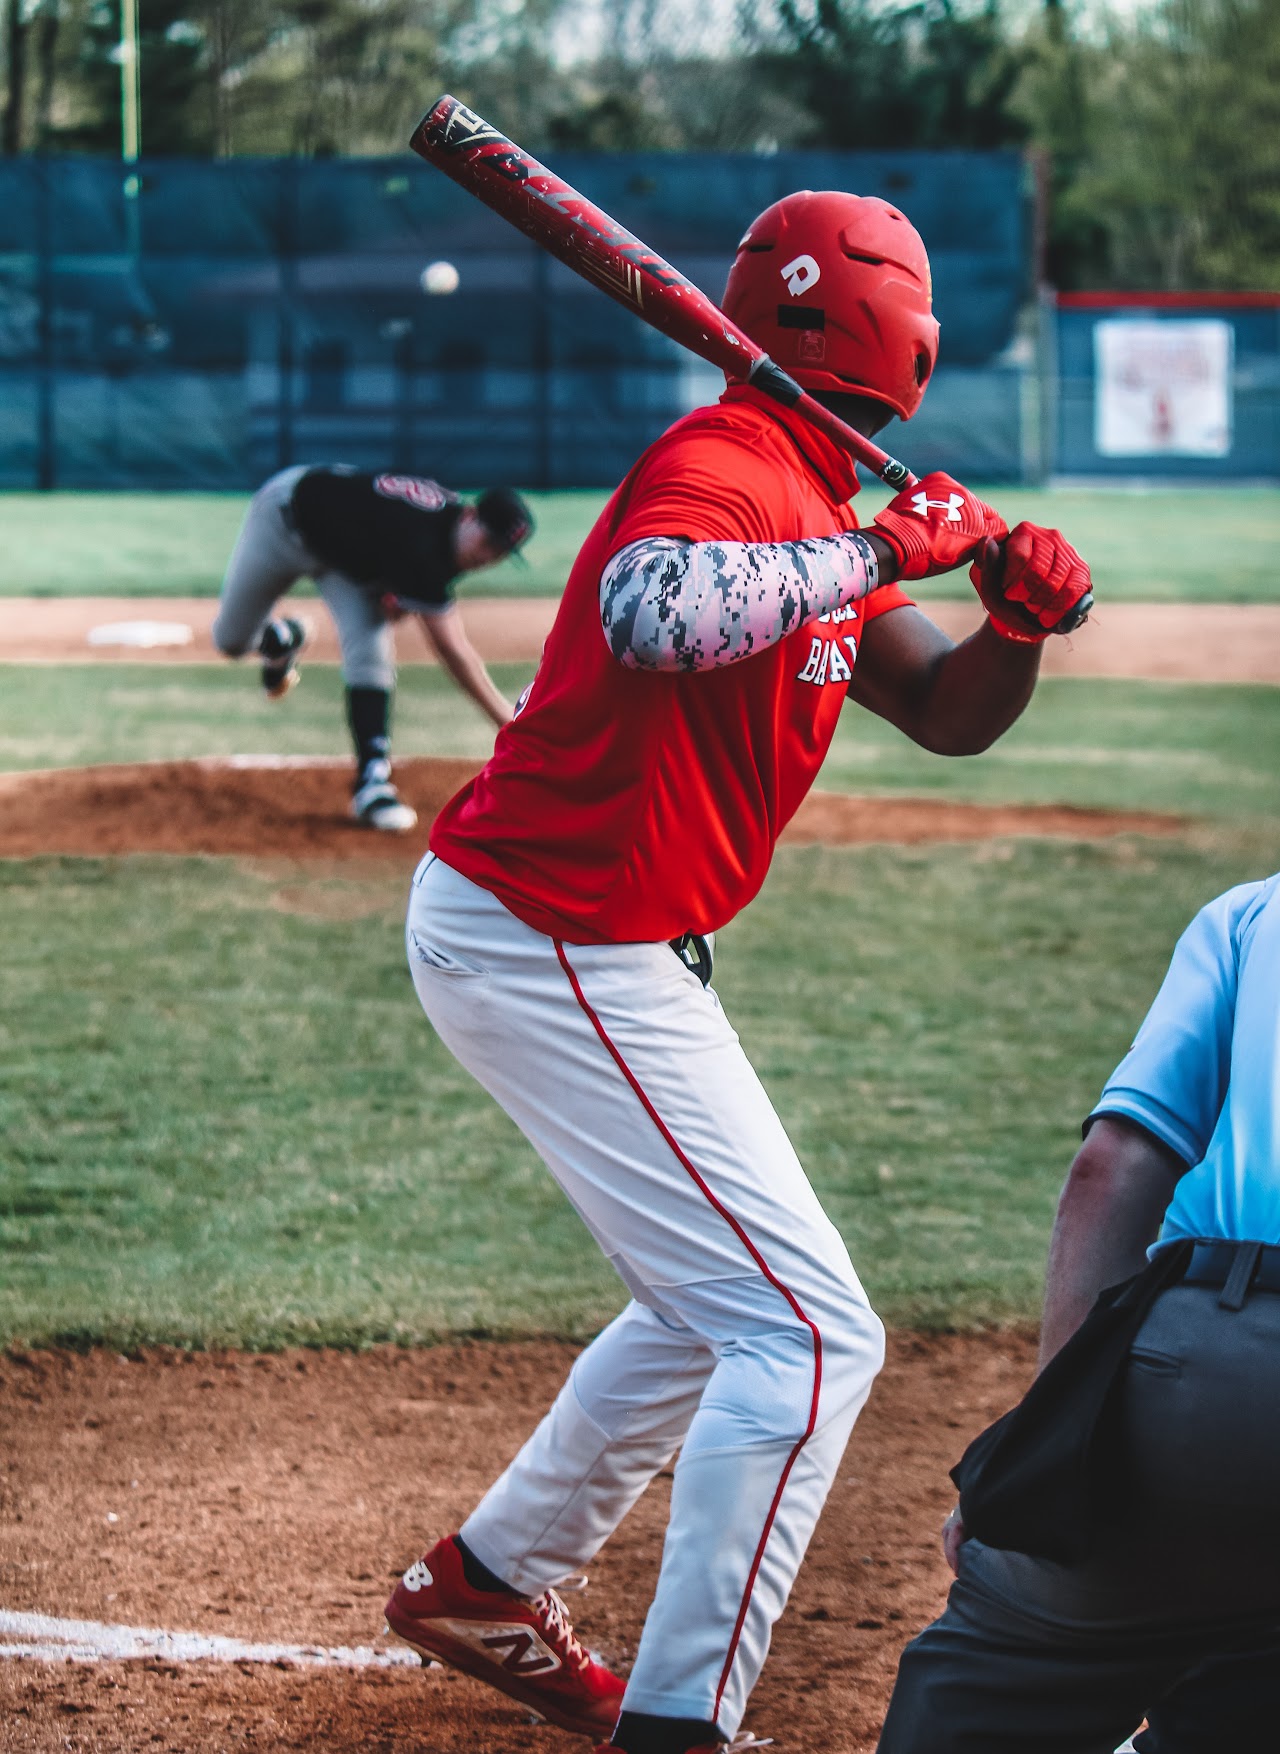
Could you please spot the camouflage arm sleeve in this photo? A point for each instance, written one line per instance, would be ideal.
(670, 605)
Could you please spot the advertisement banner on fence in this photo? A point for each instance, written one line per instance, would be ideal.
(1163, 389)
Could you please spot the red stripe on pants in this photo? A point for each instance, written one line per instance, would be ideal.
(764, 1267)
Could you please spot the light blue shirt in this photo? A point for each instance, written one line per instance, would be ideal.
(1204, 1073)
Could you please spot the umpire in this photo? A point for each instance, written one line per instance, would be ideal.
(1162, 1597)
(377, 546)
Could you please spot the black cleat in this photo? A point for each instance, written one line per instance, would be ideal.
(280, 647)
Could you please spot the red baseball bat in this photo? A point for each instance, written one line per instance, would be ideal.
(498, 172)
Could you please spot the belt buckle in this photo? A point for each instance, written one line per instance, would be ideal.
(697, 951)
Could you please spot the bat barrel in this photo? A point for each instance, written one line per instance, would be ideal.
(482, 160)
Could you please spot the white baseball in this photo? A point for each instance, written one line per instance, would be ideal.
(439, 277)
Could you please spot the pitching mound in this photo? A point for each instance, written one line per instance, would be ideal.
(267, 1503)
(296, 808)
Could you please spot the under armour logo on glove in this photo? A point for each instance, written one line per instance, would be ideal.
(952, 505)
(936, 525)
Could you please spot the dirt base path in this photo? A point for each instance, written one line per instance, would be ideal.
(1146, 641)
(296, 808)
(277, 1498)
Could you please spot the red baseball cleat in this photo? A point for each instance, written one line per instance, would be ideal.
(525, 1649)
(740, 1744)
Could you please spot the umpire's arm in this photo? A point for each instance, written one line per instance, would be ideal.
(1109, 1214)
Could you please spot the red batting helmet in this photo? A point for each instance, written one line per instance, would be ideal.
(837, 289)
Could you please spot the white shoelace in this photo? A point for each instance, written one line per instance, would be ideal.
(558, 1626)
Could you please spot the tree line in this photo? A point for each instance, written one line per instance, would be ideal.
(1157, 133)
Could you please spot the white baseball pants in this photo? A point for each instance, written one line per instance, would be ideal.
(268, 559)
(749, 1345)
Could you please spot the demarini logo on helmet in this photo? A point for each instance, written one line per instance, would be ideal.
(800, 275)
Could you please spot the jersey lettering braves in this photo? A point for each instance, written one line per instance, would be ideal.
(624, 805)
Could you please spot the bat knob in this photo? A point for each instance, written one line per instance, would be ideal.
(1077, 615)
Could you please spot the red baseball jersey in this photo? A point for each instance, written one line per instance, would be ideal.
(628, 805)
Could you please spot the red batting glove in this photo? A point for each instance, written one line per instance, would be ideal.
(1033, 587)
(392, 608)
(936, 526)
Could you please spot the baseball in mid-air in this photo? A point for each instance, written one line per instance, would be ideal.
(439, 277)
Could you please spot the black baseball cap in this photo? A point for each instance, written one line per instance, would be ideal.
(506, 517)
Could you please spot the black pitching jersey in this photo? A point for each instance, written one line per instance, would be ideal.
(393, 533)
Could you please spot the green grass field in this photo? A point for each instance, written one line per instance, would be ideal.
(1166, 545)
(225, 1120)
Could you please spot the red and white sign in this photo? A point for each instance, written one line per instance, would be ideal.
(1163, 389)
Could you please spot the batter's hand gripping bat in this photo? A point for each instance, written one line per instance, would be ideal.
(561, 221)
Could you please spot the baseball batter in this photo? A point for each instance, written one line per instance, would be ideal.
(721, 613)
(377, 546)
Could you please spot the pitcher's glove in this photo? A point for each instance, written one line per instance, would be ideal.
(1035, 585)
(935, 526)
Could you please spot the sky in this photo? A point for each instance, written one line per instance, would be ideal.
(585, 30)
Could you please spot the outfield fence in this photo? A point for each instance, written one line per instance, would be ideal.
(199, 324)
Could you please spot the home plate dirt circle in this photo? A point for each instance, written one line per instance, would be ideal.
(296, 807)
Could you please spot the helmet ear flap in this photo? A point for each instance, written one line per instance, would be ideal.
(923, 367)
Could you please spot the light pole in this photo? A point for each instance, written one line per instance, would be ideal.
(130, 119)
(130, 85)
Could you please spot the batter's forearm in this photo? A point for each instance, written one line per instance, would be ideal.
(979, 688)
(683, 606)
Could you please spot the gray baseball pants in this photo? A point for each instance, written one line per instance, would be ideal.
(268, 559)
(1178, 1620)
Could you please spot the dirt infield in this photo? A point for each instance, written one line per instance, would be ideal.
(276, 1498)
(274, 807)
(1167, 642)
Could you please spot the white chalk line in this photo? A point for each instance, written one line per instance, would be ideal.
(43, 1638)
(202, 763)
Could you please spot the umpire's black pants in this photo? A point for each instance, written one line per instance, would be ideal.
(1178, 1621)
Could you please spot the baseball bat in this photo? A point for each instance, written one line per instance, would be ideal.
(481, 159)
(563, 222)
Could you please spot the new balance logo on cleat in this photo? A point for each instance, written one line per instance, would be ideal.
(526, 1649)
(516, 1649)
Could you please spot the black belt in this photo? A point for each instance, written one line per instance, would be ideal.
(697, 951)
(1239, 1267)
